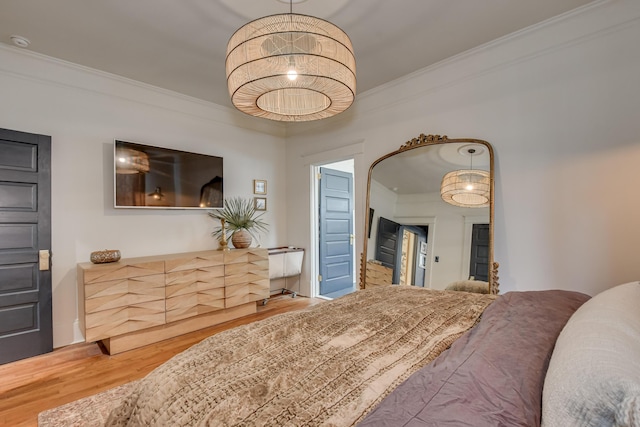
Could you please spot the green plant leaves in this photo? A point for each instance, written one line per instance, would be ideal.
(239, 214)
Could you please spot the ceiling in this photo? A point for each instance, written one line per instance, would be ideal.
(181, 44)
(420, 170)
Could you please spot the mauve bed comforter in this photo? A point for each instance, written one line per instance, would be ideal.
(491, 376)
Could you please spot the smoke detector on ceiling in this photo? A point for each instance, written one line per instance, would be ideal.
(20, 41)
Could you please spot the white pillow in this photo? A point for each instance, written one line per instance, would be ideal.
(594, 373)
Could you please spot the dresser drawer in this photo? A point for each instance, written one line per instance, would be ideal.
(121, 270)
(117, 321)
(255, 267)
(237, 256)
(120, 293)
(246, 291)
(238, 279)
(195, 261)
(193, 304)
(193, 292)
(188, 281)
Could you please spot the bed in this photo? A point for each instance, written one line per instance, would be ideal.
(387, 356)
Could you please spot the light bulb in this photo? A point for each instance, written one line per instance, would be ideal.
(469, 187)
(292, 74)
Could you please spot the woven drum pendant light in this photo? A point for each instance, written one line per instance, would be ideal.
(466, 188)
(291, 67)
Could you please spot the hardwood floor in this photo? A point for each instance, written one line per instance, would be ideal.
(30, 386)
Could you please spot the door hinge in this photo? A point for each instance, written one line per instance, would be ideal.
(318, 176)
(319, 278)
(351, 238)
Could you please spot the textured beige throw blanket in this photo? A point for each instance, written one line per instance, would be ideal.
(327, 365)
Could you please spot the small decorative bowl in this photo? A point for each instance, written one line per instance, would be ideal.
(107, 255)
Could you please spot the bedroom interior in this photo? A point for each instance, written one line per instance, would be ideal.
(556, 101)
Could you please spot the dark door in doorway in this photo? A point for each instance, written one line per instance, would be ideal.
(336, 233)
(25, 237)
(479, 267)
(387, 240)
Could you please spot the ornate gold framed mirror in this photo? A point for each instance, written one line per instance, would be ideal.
(430, 216)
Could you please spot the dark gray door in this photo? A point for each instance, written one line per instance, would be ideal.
(336, 233)
(479, 268)
(25, 236)
(389, 250)
(388, 245)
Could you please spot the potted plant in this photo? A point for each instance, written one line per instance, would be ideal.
(240, 220)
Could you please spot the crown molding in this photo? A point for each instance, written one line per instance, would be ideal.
(576, 26)
(28, 65)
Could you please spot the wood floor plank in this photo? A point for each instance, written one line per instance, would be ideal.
(30, 386)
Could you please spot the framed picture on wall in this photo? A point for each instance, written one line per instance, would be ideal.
(259, 186)
(260, 203)
(423, 247)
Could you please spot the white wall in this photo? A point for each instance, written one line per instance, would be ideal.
(83, 111)
(560, 105)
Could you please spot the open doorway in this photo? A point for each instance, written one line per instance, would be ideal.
(334, 225)
(412, 257)
(403, 250)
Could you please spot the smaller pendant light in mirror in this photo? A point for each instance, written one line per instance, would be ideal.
(467, 188)
(157, 194)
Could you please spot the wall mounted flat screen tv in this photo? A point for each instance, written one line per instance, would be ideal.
(154, 177)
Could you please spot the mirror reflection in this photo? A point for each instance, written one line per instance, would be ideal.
(430, 216)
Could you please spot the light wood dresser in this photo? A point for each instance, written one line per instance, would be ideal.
(378, 275)
(138, 301)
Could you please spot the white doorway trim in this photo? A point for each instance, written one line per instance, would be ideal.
(429, 221)
(314, 161)
(347, 166)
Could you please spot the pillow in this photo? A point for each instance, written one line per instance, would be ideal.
(477, 286)
(594, 373)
